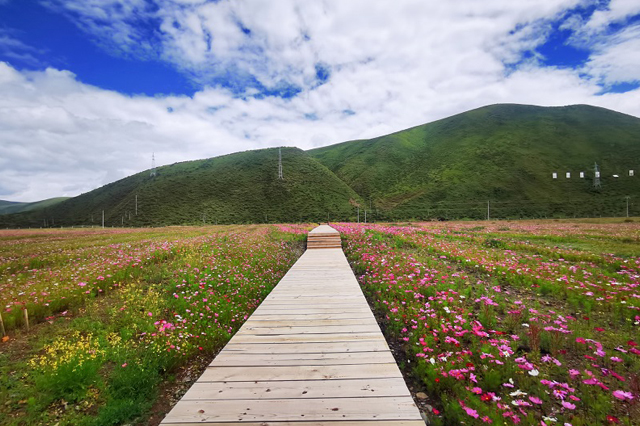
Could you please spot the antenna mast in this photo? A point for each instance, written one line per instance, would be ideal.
(280, 163)
(153, 164)
(596, 179)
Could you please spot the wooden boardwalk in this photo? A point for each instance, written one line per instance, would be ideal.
(312, 354)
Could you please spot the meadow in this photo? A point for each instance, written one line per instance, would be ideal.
(505, 322)
(117, 318)
(531, 323)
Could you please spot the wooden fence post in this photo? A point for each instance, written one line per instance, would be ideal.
(26, 318)
(2, 330)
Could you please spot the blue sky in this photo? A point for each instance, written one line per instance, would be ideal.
(90, 88)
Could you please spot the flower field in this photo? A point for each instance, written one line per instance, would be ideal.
(114, 314)
(531, 323)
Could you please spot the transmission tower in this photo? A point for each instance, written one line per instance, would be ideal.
(280, 164)
(596, 178)
(153, 164)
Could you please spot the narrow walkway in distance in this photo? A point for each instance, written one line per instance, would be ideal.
(311, 354)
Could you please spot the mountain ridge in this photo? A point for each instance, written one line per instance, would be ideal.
(501, 154)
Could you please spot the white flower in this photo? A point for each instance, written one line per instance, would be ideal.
(517, 393)
(534, 372)
(432, 360)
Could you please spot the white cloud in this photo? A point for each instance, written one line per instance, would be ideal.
(617, 59)
(390, 68)
(287, 38)
(616, 11)
(13, 48)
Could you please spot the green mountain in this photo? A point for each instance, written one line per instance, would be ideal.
(8, 207)
(237, 188)
(499, 158)
(502, 154)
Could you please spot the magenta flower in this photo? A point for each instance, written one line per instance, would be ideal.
(535, 400)
(568, 405)
(622, 395)
(473, 413)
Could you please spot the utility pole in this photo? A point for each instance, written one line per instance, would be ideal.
(280, 163)
(359, 214)
(153, 164)
(365, 216)
(103, 218)
(596, 178)
(488, 210)
(136, 204)
(627, 197)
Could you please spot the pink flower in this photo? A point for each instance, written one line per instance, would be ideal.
(473, 413)
(150, 314)
(82, 284)
(568, 405)
(573, 373)
(623, 395)
(472, 377)
(616, 359)
(476, 390)
(124, 365)
(535, 400)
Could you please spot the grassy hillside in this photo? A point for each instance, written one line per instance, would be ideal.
(237, 188)
(503, 153)
(8, 207)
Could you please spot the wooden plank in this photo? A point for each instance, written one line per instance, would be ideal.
(307, 338)
(323, 329)
(312, 423)
(356, 388)
(282, 316)
(251, 322)
(336, 409)
(299, 372)
(306, 348)
(235, 359)
(345, 309)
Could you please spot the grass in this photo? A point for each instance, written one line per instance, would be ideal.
(8, 207)
(240, 188)
(100, 355)
(450, 168)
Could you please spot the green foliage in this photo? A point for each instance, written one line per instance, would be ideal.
(237, 188)
(505, 153)
(8, 207)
